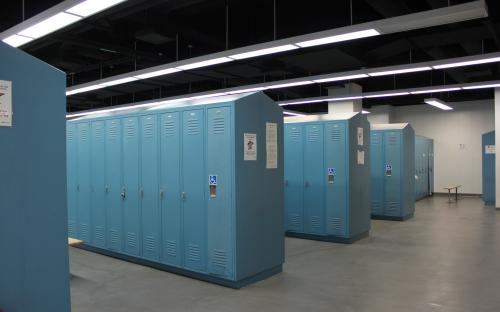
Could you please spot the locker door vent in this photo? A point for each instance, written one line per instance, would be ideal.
(219, 125)
(376, 139)
(171, 249)
(392, 206)
(193, 127)
(169, 128)
(113, 237)
(336, 224)
(148, 130)
(313, 135)
(219, 258)
(392, 140)
(98, 133)
(315, 224)
(130, 131)
(295, 220)
(376, 205)
(295, 135)
(131, 240)
(99, 233)
(70, 134)
(150, 244)
(194, 253)
(113, 131)
(84, 231)
(72, 229)
(335, 134)
(84, 134)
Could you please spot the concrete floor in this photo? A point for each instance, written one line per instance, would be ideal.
(446, 259)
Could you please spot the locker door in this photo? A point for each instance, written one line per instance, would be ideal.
(71, 155)
(336, 192)
(314, 205)
(219, 217)
(294, 178)
(131, 212)
(83, 186)
(170, 142)
(98, 185)
(377, 172)
(431, 168)
(393, 182)
(149, 190)
(113, 167)
(193, 190)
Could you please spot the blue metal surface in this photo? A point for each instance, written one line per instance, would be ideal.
(393, 181)
(377, 173)
(83, 186)
(324, 178)
(34, 271)
(424, 164)
(98, 193)
(72, 181)
(489, 195)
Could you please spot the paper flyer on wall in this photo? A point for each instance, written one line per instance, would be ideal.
(5, 103)
(250, 146)
(361, 157)
(489, 149)
(271, 145)
(360, 136)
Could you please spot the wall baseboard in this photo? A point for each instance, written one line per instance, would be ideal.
(461, 194)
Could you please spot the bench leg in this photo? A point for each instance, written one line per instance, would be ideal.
(449, 195)
(456, 194)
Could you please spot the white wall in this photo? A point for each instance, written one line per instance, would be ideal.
(457, 139)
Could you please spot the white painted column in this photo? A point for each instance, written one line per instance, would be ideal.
(497, 145)
(345, 106)
(380, 114)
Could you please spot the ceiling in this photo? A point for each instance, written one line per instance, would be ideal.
(143, 33)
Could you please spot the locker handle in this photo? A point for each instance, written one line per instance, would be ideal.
(107, 189)
(307, 184)
(162, 194)
(286, 182)
(123, 194)
(142, 193)
(78, 187)
(183, 196)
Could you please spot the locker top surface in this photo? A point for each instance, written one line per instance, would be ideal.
(488, 133)
(394, 126)
(146, 107)
(324, 117)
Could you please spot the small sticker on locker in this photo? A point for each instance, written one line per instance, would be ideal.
(331, 175)
(213, 186)
(331, 170)
(388, 170)
(213, 180)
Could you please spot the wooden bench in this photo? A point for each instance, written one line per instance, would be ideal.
(74, 242)
(449, 188)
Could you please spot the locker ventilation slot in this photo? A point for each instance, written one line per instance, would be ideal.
(376, 205)
(83, 134)
(194, 253)
(375, 139)
(113, 237)
(392, 206)
(295, 135)
(295, 221)
(131, 240)
(113, 132)
(130, 130)
(84, 232)
(315, 224)
(313, 135)
(148, 130)
(169, 128)
(98, 133)
(71, 228)
(171, 249)
(336, 135)
(193, 127)
(150, 244)
(99, 233)
(219, 125)
(219, 258)
(70, 135)
(392, 140)
(336, 224)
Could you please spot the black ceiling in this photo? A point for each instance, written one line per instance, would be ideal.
(143, 33)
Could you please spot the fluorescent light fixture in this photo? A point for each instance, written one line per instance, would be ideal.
(468, 63)
(385, 95)
(400, 71)
(90, 7)
(291, 84)
(158, 73)
(438, 103)
(16, 40)
(246, 90)
(339, 38)
(283, 48)
(364, 112)
(289, 113)
(435, 90)
(340, 78)
(219, 60)
(49, 25)
(85, 89)
(118, 81)
(346, 98)
(303, 102)
(494, 85)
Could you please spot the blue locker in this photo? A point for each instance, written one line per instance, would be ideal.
(72, 178)
(327, 196)
(180, 193)
(393, 154)
(149, 190)
(218, 211)
(170, 188)
(193, 185)
(83, 187)
(98, 207)
(294, 183)
(131, 212)
(488, 152)
(314, 193)
(114, 189)
(424, 164)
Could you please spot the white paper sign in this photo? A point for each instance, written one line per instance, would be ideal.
(250, 146)
(489, 149)
(271, 145)
(360, 136)
(5, 103)
(361, 157)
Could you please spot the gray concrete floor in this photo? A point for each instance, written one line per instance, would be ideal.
(446, 259)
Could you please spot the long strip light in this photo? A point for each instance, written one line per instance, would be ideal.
(438, 103)
(389, 94)
(446, 15)
(468, 63)
(290, 113)
(400, 71)
(435, 91)
(341, 78)
(59, 16)
(482, 86)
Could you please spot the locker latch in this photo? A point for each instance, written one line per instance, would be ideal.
(123, 194)
(388, 170)
(212, 183)
(331, 175)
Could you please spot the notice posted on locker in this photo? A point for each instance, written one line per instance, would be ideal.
(250, 146)
(271, 145)
(5, 103)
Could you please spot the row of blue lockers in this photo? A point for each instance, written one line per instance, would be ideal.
(173, 186)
